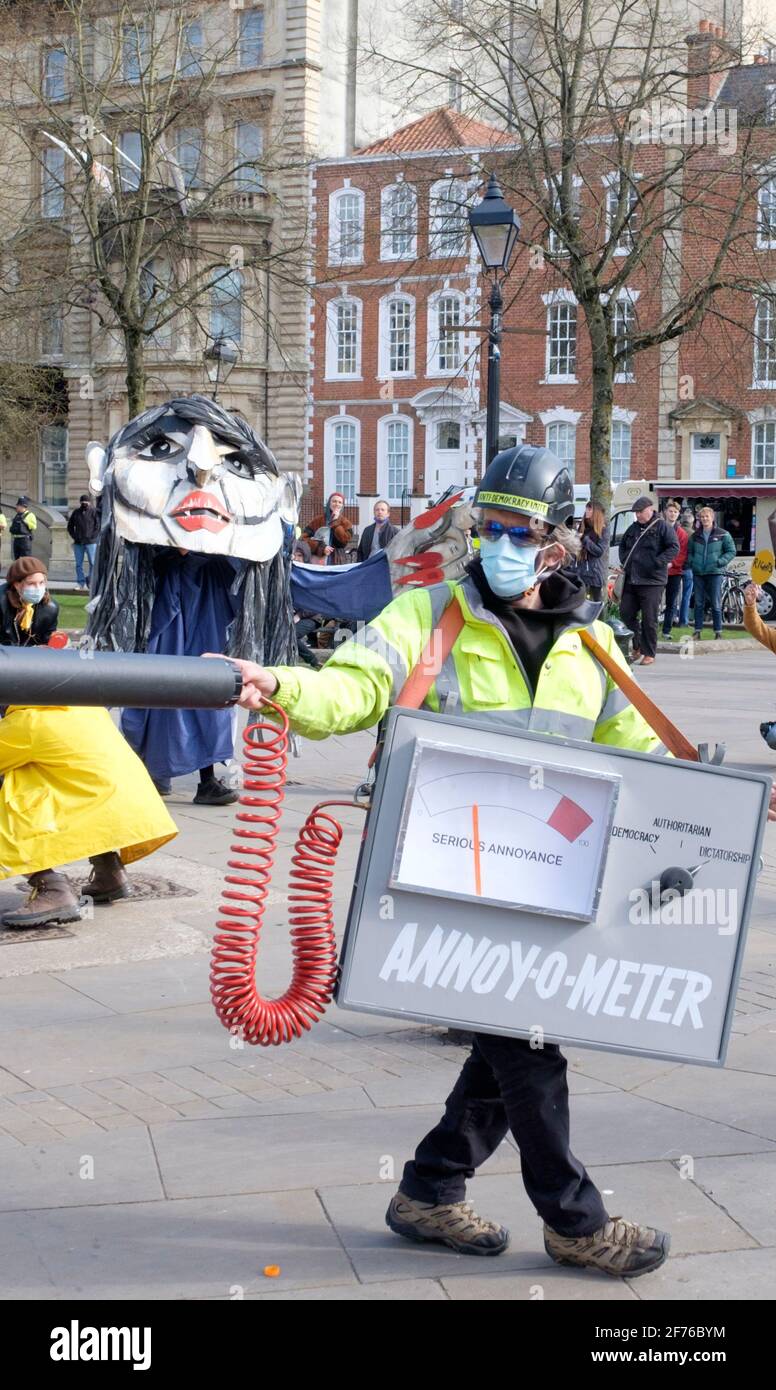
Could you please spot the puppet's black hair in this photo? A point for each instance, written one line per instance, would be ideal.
(201, 410)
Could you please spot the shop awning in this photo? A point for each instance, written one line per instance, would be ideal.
(719, 487)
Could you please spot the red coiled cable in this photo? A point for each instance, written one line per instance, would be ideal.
(233, 989)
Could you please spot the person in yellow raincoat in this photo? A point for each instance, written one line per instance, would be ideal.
(72, 789)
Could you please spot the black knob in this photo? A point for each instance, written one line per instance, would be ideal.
(675, 882)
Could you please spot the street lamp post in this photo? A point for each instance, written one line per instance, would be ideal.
(495, 227)
(219, 358)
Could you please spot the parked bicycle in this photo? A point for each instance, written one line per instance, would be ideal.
(732, 598)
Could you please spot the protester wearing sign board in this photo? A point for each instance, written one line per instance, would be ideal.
(517, 647)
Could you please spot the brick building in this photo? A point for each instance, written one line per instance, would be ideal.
(260, 88)
(397, 394)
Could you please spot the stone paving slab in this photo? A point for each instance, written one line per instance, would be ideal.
(743, 1100)
(141, 985)
(656, 1194)
(616, 1068)
(545, 1284)
(39, 1001)
(115, 1046)
(629, 1128)
(749, 1277)
(213, 1248)
(203, 1157)
(410, 1290)
(432, 1087)
(744, 1186)
(754, 1050)
(123, 1165)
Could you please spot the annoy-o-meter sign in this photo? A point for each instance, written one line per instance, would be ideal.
(509, 883)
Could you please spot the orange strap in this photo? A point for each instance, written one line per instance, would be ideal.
(442, 641)
(432, 659)
(667, 732)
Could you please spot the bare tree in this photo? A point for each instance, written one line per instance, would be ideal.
(28, 393)
(623, 170)
(151, 174)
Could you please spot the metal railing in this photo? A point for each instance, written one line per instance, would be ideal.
(312, 503)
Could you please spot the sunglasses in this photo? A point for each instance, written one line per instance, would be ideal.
(519, 535)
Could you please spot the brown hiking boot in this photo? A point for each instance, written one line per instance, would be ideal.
(108, 879)
(51, 900)
(620, 1247)
(456, 1225)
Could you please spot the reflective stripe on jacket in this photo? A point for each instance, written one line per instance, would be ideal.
(574, 696)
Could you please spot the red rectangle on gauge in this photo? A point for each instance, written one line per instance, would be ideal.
(569, 819)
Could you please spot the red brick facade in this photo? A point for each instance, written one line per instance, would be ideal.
(685, 409)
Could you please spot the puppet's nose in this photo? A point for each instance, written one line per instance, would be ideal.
(203, 456)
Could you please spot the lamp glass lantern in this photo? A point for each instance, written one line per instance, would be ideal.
(495, 227)
(220, 358)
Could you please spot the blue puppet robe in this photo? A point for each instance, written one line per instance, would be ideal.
(192, 610)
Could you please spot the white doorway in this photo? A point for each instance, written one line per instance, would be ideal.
(444, 456)
(706, 457)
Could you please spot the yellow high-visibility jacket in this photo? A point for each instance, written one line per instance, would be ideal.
(574, 696)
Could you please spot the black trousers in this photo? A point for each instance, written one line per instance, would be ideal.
(673, 596)
(643, 599)
(507, 1085)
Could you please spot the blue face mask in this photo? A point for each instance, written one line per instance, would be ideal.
(33, 593)
(509, 569)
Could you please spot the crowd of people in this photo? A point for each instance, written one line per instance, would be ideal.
(672, 560)
(671, 557)
(44, 753)
(329, 540)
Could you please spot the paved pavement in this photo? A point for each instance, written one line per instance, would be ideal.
(145, 1155)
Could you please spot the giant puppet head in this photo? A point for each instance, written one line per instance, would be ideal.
(191, 475)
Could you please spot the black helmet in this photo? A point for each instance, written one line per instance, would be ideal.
(531, 480)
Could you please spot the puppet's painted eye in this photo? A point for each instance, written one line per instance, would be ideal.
(238, 465)
(157, 449)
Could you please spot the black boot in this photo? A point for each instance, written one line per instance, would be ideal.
(108, 880)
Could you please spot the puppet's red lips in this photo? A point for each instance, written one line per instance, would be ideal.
(200, 511)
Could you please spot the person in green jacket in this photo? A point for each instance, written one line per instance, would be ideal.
(519, 650)
(709, 552)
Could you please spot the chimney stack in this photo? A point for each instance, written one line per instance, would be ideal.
(709, 56)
